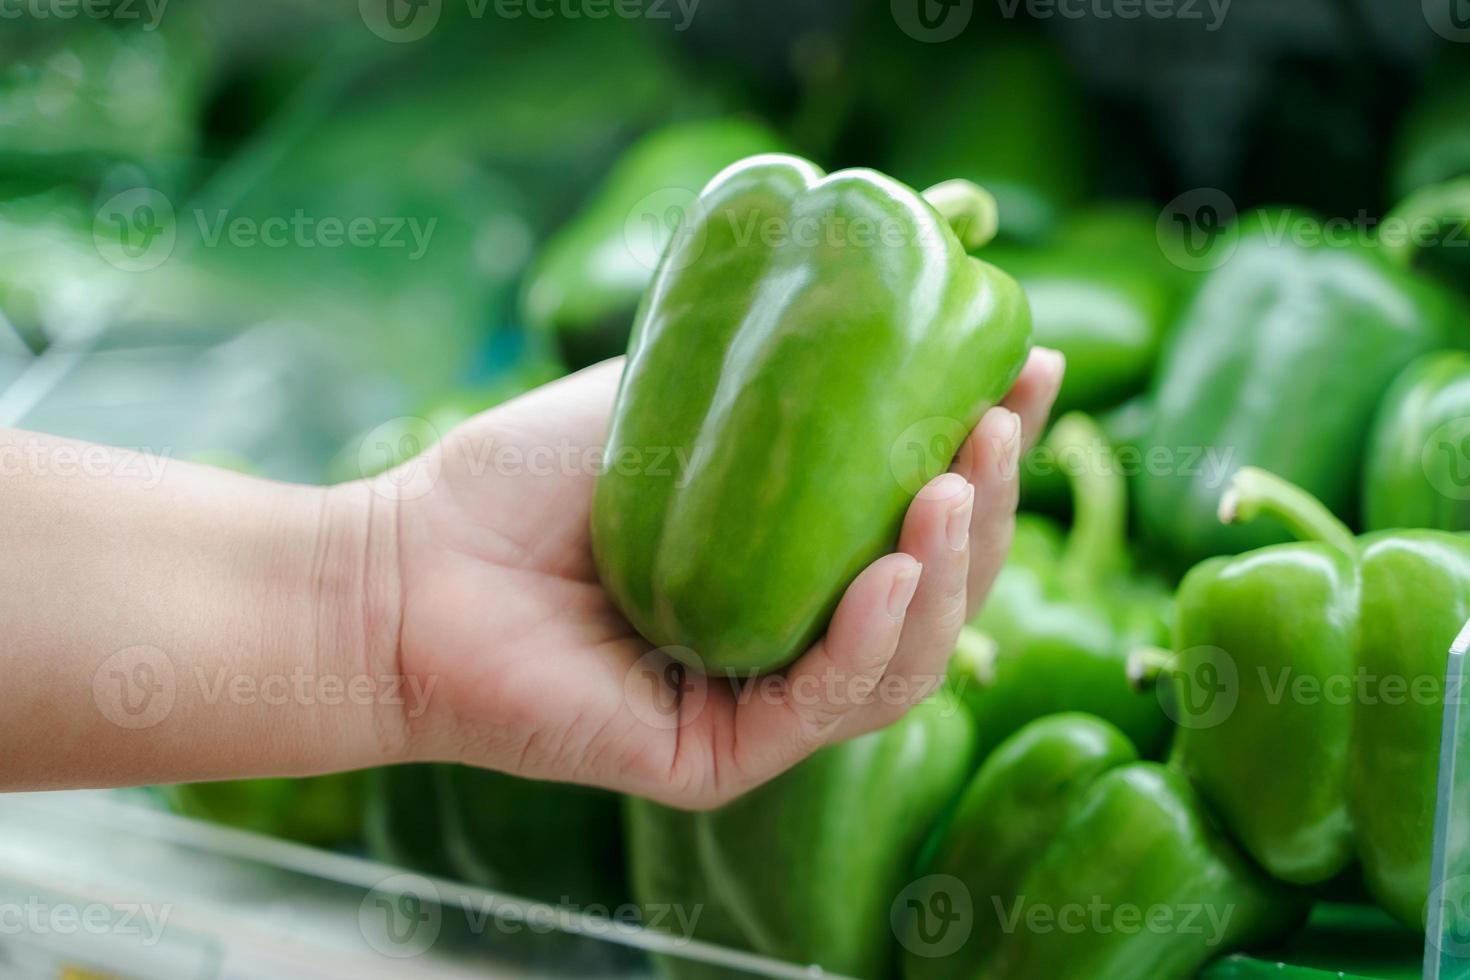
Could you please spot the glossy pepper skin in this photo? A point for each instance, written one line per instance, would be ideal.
(1418, 468)
(1310, 677)
(787, 392)
(1066, 611)
(583, 291)
(1063, 822)
(1279, 362)
(807, 867)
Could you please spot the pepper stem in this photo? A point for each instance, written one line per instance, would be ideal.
(1097, 544)
(970, 210)
(1402, 235)
(1147, 664)
(1254, 491)
(973, 660)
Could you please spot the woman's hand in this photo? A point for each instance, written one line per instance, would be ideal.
(534, 670)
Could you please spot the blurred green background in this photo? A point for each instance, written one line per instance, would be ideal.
(261, 228)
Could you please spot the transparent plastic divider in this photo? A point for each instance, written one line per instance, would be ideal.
(1447, 932)
(243, 905)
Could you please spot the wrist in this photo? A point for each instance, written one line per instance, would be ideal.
(357, 610)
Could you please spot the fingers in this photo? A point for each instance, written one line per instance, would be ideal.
(789, 718)
(1035, 391)
(993, 454)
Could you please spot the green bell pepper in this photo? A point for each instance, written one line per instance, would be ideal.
(1067, 857)
(806, 868)
(1104, 294)
(583, 291)
(1433, 142)
(1280, 362)
(551, 842)
(1416, 475)
(403, 818)
(321, 810)
(1310, 685)
(1065, 612)
(813, 351)
(1431, 229)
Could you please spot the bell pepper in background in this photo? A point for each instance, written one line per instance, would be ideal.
(1066, 611)
(1045, 488)
(731, 514)
(806, 868)
(1310, 682)
(551, 842)
(403, 818)
(1433, 141)
(61, 116)
(320, 810)
(1105, 295)
(1061, 854)
(1432, 231)
(1280, 361)
(1006, 116)
(583, 291)
(670, 891)
(1418, 469)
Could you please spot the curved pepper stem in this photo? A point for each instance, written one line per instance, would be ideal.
(973, 660)
(970, 210)
(1097, 545)
(1254, 491)
(1435, 206)
(1147, 664)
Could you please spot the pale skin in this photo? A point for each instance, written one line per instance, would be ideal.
(167, 622)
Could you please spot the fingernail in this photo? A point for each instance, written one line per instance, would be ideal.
(1055, 360)
(905, 583)
(950, 485)
(957, 525)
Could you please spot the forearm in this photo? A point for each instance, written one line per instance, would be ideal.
(162, 622)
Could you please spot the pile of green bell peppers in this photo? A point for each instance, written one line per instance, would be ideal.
(1311, 680)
